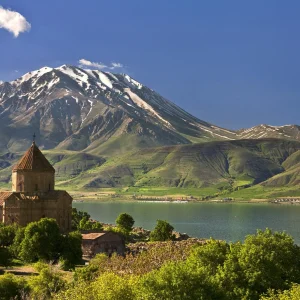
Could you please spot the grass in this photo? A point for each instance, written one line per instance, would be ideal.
(261, 192)
(215, 169)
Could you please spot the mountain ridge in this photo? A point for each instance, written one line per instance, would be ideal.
(80, 109)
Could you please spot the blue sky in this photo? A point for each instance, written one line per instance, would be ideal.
(232, 63)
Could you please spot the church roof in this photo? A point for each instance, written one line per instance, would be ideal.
(4, 196)
(92, 235)
(34, 160)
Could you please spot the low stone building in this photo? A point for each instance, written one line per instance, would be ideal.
(33, 194)
(102, 242)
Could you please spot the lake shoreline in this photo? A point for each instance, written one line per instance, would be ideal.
(218, 220)
(80, 196)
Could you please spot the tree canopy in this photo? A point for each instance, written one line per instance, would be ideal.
(162, 231)
(125, 222)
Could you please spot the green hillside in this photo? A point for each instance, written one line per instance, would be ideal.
(242, 168)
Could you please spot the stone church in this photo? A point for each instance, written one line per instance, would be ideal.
(33, 194)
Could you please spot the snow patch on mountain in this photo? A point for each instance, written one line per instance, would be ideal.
(91, 107)
(101, 76)
(80, 77)
(143, 104)
(132, 81)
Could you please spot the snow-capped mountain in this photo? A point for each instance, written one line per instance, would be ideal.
(72, 108)
(268, 131)
(75, 109)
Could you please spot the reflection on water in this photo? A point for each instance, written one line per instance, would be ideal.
(229, 221)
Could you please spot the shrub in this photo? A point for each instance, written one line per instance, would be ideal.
(125, 222)
(162, 231)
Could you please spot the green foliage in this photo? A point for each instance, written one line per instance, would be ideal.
(212, 255)
(125, 222)
(86, 224)
(12, 287)
(81, 221)
(292, 294)
(162, 231)
(77, 216)
(41, 241)
(71, 250)
(176, 270)
(46, 284)
(5, 257)
(266, 260)
(109, 286)
(93, 269)
(15, 248)
(7, 234)
(176, 281)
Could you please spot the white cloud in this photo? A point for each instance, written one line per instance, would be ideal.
(98, 65)
(13, 21)
(116, 65)
(83, 62)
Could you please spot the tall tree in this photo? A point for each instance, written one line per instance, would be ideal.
(162, 231)
(41, 241)
(125, 222)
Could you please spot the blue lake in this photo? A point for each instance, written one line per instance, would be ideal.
(228, 221)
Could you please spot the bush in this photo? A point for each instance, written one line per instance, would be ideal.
(125, 222)
(11, 287)
(46, 284)
(162, 231)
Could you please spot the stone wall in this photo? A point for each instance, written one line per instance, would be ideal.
(25, 208)
(30, 181)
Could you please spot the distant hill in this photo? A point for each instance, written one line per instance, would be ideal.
(225, 166)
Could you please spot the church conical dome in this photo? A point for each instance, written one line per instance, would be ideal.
(33, 160)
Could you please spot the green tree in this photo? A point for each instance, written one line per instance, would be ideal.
(86, 224)
(212, 255)
(41, 241)
(265, 261)
(15, 248)
(7, 234)
(162, 231)
(5, 257)
(71, 250)
(125, 222)
(176, 281)
(77, 216)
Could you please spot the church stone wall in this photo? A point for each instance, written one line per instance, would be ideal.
(11, 211)
(1, 214)
(32, 208)
(30, 181)
(33, 194)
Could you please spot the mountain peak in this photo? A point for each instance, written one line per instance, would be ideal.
(77, 109)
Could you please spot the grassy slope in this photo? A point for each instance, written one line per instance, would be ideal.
(216, 168)
(211, 168)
